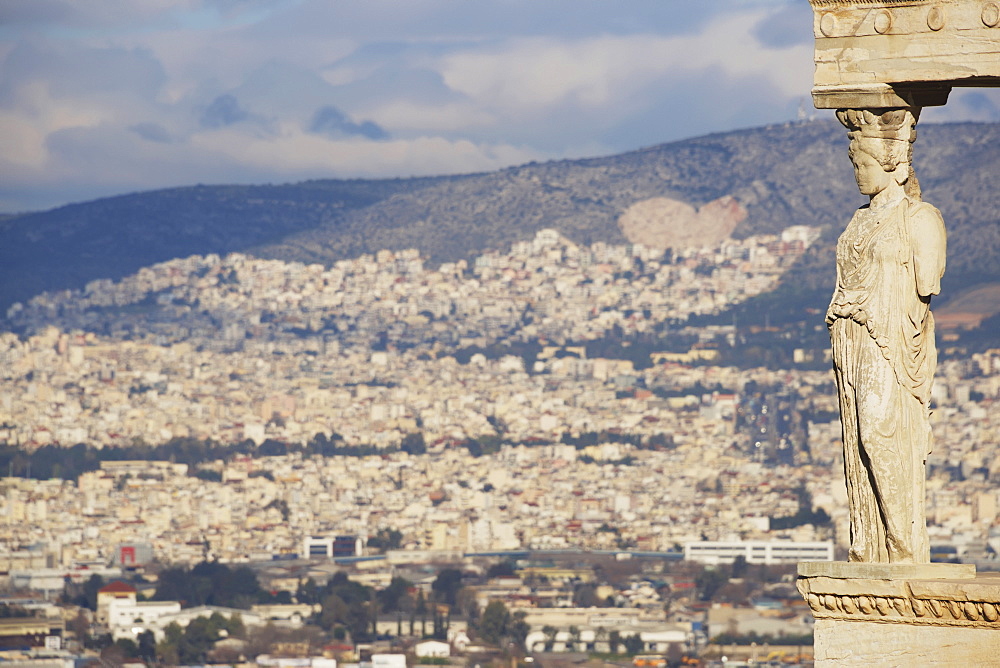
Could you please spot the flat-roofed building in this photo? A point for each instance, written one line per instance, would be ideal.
(758, 551)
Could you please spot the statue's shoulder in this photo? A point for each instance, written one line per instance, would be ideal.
(917, 209)
(929, 241)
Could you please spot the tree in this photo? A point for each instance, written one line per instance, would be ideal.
(614, 640)
(191, 644)
(334, 611)
(634, 644)
(421, 609)
(739, 567)
(385, 539)
(574, 637)
(447, 585)
(519, 628)
(349, 604)
(166, 650)
(408, 605)
(210, 583)
(550, 636)
(128, 647)
(503, 569)
(468, 605)
(585, 596)
(414, 444)
(85, 595)
(79, 626)
(708, 582)
(600, 635)
(495, 622)
(147, 646)
(391, 597)
(307, 591)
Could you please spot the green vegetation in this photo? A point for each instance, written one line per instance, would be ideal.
(805, 514)
(385, 539)
(762, 638)
(447, 585)
(211, 583)
(53, 461)
(350, 611)
(498, 627)
(11, 610)
(414, 444)
(84, 594)
(348, 606)
(190, 645)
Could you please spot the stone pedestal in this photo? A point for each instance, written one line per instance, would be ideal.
(902, 614)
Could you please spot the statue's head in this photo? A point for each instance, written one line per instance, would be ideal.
(885, 137)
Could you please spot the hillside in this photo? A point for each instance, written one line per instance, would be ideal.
(780, 175)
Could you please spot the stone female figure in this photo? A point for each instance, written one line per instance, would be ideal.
(890, 260)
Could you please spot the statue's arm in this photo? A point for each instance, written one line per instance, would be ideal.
(929, 240)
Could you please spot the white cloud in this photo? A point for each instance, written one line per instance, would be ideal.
(292, 151)
(407, 117)
(131, 161)
(525, 76)
(113, 91)
(27, 127)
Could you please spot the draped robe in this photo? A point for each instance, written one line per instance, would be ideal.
(882, 338)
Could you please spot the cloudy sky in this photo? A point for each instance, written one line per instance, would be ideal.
(104, 97)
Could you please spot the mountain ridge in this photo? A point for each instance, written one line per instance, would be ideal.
(796, 173)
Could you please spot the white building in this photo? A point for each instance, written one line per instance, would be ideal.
(128, 619)
(432, 648)
(758, 551)
(284, 662)
(388, 661)
(185, 616)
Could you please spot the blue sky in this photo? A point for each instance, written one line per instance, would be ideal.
(111, 96)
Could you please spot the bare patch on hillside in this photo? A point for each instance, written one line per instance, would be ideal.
(661, 222)
(969, 308)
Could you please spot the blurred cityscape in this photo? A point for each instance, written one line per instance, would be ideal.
(538, 455)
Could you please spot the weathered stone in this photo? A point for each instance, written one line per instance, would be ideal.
(878, 62)
(860, 643)
(974, 602)
(985, 587)
(842, 586)
(902, 53)
(877, 571)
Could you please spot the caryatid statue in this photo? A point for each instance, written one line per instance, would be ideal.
(890, 260)
(878, 62)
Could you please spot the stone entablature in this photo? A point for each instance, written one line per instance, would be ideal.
(956, 603)
(902, 53)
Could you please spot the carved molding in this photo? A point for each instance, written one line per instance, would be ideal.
(825, 4)
(920, 602)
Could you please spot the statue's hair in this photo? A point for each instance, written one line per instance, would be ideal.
(885, 134)
(897, 124)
